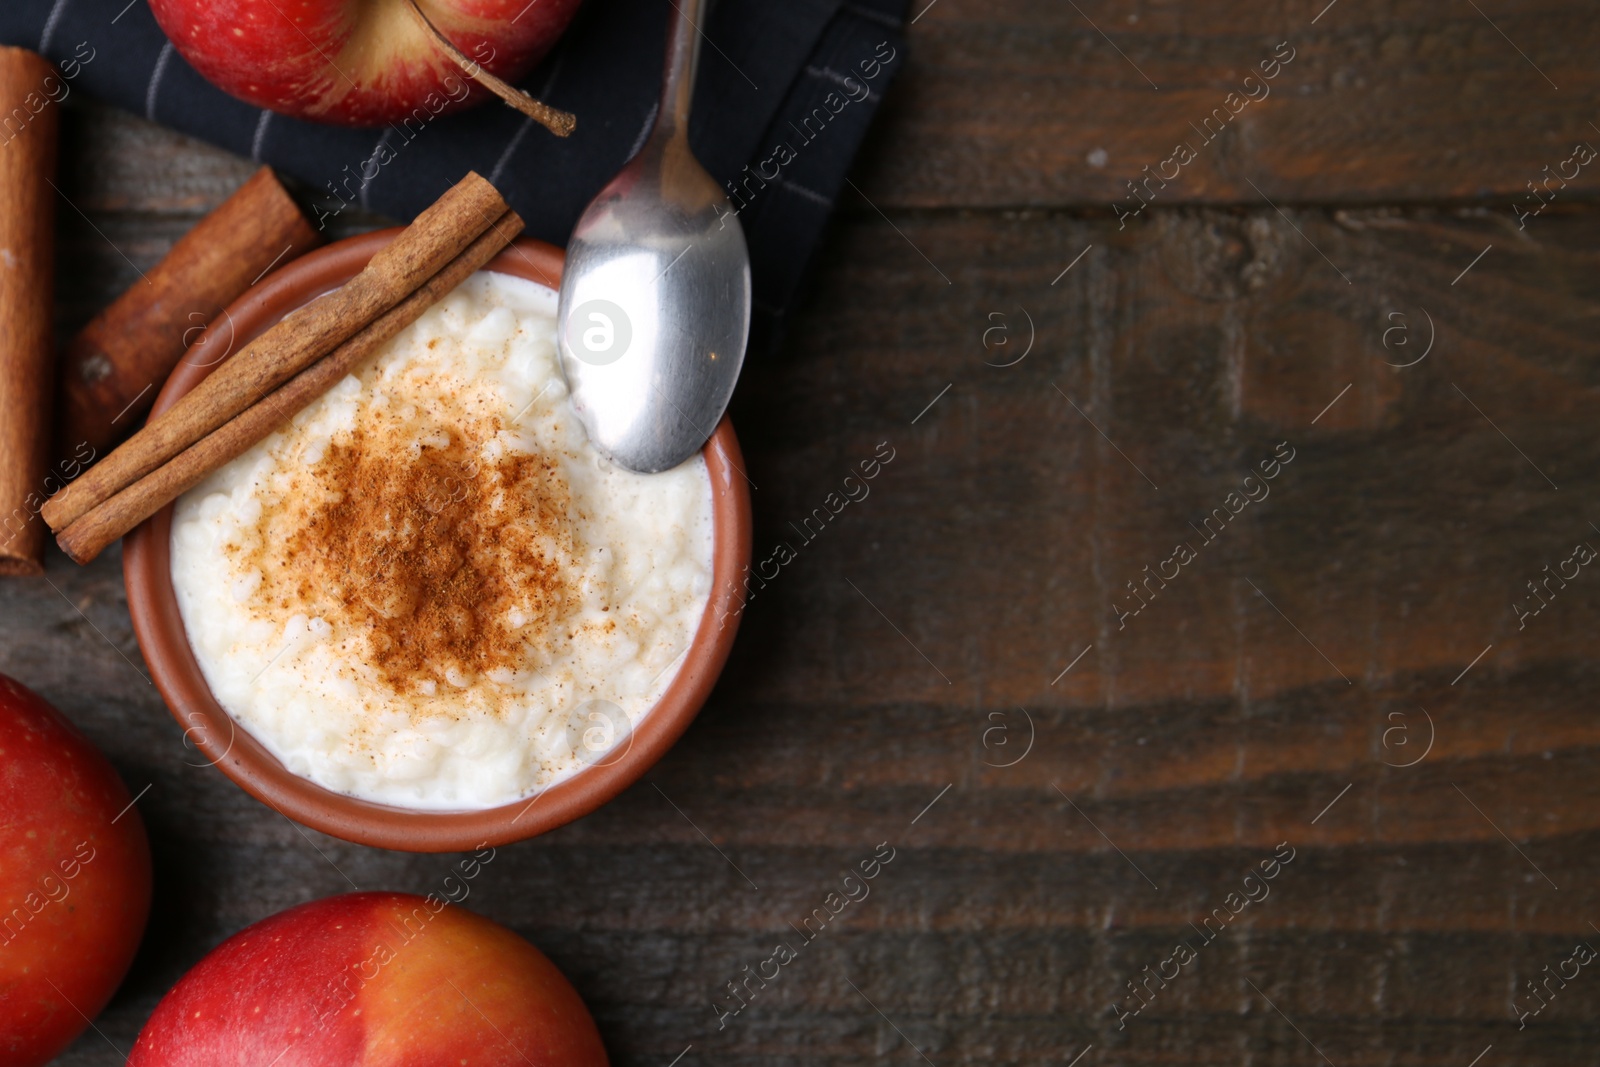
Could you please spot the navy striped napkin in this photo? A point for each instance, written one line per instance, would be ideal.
(784, 100)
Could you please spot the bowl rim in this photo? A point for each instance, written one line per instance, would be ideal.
(152, 603)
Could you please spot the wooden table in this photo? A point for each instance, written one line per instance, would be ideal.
(1073, 774)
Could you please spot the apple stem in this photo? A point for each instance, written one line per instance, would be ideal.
(561, 123)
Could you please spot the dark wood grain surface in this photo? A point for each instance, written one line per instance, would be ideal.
(1028, 102)
(954, 666)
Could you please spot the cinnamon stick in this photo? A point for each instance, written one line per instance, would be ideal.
(113, 368)
(89, 535)
(27, 265)
(438, 235)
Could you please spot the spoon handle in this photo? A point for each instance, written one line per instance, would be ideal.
(683, 59)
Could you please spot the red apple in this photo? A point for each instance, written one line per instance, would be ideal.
(372, 980)
(359, 62)
(74, 879)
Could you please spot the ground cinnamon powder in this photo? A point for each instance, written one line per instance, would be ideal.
(451, 565)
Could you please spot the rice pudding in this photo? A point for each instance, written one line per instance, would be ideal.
(428, 589)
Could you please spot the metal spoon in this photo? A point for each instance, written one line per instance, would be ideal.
(655, 298)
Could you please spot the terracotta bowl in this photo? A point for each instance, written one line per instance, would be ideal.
(159, 627)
